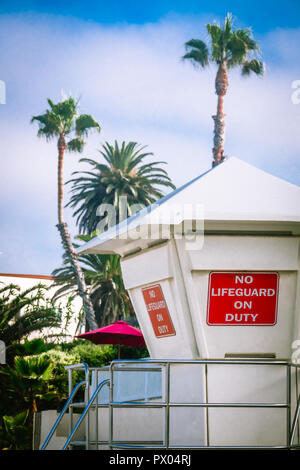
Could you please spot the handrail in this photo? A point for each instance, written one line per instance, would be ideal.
(104, 382)
(70, 369)
(83, 382)
(295, 422)
(279, 362)
(81, 365)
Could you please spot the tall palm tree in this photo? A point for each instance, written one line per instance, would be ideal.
(103, 275)
(123, 174)
(228, 48)
(64, 123)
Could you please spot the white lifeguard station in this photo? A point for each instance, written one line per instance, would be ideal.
(212, 270)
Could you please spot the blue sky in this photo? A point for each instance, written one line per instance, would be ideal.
(122, 58)
(262, 15)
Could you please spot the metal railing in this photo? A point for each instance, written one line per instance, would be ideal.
(295, 424)
(69, 402)
(65, 408)
(83, 415)
(166, 404)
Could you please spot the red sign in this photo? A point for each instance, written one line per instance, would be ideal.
(242, 298)
(158, 311)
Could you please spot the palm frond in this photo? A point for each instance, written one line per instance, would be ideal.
(255, 66)
(233, 47)
(64, 120)
(23, 312)
(124, 174)
(84, 123)
(75, 145)
(197, 52)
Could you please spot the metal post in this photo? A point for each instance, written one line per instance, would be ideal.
(111, 398)
(146, 377)
(206, 399)
(87, 399)
(297, 394)
(70, 376)
(167, 406)
(96, 413)
(288, 402)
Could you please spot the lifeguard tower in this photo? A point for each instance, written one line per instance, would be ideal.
(212, 270)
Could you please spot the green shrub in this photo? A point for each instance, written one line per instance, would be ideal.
(15, 432)
(94, 355)
(59, 381)
(59, 359)
(100, 355)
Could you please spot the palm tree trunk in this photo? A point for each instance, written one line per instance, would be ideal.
(61, 149)
(67, 244)
(219, 119)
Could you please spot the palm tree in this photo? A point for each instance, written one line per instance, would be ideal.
(124, 174)
(63, 121)
(14, 433)
(228, 48)
(103, 275)
(29, 381)
(24, 312)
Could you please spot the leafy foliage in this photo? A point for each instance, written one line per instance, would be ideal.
(95, 355)
(24, 312)
(35, 346)
(28, 382)
(14, 432)
(123, 174)
(235, 47)
(63, 119)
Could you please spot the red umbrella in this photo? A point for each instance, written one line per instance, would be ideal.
(117, 333)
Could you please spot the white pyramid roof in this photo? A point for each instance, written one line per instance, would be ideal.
(233, 195)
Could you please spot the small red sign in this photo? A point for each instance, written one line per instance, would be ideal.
(242, 298)
(158, 311)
